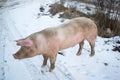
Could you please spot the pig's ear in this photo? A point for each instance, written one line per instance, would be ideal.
(19, 40)
(24, 42)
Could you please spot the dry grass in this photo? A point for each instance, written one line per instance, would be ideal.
(106, 27)
(56, 8)
(71, 13)
(88, 8)
(68, 13)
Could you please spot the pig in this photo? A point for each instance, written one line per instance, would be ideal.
(50, 41)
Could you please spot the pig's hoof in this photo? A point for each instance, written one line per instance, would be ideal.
(43, 66)
(51, 70)
(91, 55)
(78, 54)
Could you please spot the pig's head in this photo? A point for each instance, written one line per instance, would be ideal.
(27, 49)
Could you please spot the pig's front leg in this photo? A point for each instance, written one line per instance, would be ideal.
(45, 57)
(52, 62)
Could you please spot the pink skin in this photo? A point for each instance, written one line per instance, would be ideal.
(51, 40)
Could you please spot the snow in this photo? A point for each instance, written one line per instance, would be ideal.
(21, 20)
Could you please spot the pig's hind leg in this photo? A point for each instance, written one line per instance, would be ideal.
(45, 57)
(92, 49)
(92, 45)
(81, 44)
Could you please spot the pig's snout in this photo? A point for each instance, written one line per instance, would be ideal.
(15, 56)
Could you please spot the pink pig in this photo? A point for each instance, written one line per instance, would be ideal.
(51, 40)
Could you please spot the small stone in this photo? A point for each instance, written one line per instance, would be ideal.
(107, 49)
(41, 9)
(106, 64)
(5, 61)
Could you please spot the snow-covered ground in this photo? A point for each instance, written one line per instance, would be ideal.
(19, 21)
(81, 6)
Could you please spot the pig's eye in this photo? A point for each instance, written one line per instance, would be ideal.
(25, 49)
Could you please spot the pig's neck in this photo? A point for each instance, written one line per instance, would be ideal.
(41, 44)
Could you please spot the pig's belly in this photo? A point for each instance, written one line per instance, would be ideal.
(71, 41)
